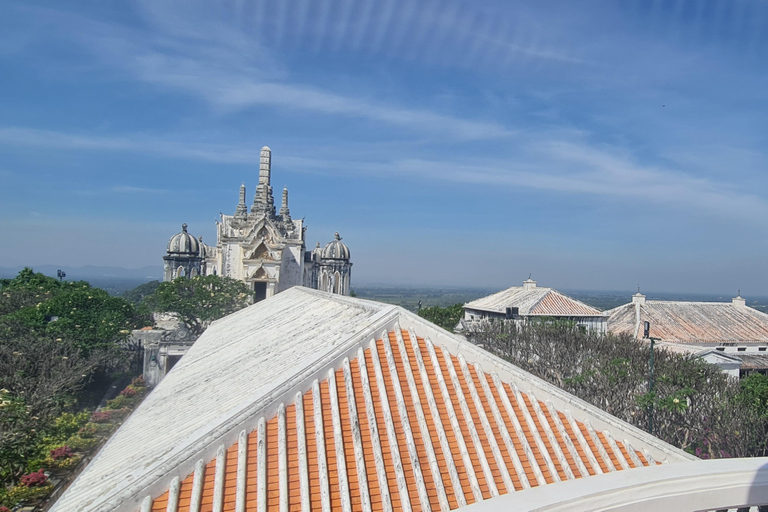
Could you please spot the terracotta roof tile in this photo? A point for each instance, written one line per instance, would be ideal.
(482, 444)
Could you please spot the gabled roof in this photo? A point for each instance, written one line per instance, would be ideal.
(691, 322)
(533, 301)
(753, 361)
(319, 401)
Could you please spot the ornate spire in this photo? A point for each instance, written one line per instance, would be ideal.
(263, 201)
(285, 213)
(241, 210)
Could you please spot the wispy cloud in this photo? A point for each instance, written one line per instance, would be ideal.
(542, 162)
(138, 143)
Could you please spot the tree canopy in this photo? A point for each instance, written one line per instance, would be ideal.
(87, 317)
(695, 406)
(446, 317)
(54, 337)
(200, 300)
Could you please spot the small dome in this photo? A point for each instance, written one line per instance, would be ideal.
(336, 250)
(184, 243)
(205, 249)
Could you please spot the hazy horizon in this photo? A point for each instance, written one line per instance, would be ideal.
(595, 146)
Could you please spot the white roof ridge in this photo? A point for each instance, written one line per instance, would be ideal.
(326, 329)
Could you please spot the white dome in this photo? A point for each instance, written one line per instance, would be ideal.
(336, 250)
(183, 243)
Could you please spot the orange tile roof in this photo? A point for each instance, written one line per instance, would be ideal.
(405, 426)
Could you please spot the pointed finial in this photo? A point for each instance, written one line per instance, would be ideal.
(336, 236)
(241, 209)
(184, 227)
(739, 292)
(638, 287)
(529, 275)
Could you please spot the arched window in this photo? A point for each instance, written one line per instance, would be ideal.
(337, 283)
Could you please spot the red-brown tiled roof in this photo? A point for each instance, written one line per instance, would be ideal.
(404, 425)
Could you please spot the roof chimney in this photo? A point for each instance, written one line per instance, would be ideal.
(638, 298)
(529, 284)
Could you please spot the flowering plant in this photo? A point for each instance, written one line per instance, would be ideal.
(62, 452)
(34, 479)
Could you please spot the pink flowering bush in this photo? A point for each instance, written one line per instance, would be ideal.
(128, 392)
(35, 479)
(62, 452)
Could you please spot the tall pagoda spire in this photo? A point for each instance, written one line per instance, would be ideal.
(285, 213)
(263, 201)
(241, 210)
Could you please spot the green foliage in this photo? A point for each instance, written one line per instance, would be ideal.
(54, 336)
(754, 393)
(200, 300)
(138, 294)
(81, 443)
(22, 493)
(446, 317)
(119, 402)
(88, 318)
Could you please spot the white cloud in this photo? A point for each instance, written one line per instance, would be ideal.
(541, 162)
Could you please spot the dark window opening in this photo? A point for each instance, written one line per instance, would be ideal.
(742, 349)
(259, 291)
(721, 349)
(170, 362)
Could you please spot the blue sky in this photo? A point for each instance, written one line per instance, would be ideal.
(594, 145)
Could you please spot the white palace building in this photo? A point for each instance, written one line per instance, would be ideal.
(263, 247)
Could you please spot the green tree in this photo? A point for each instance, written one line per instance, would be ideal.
(200, 300)
(40, 377)
(754, 392)
(446, 317)
(138, 294)
(88, 317)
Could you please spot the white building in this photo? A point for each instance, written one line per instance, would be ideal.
(529, 301)
(264, 248)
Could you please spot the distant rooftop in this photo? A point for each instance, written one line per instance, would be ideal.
(691, 322)
(532, 300)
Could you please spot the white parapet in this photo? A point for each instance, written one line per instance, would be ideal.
(691, 486)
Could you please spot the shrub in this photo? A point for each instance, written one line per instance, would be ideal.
(81, 443)
(67, 463)
(119, 402)
(4, 509)
(101, 417)
(128, 392)
(35, 479)
(139, 382)
(22, 493)
(62, 452)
